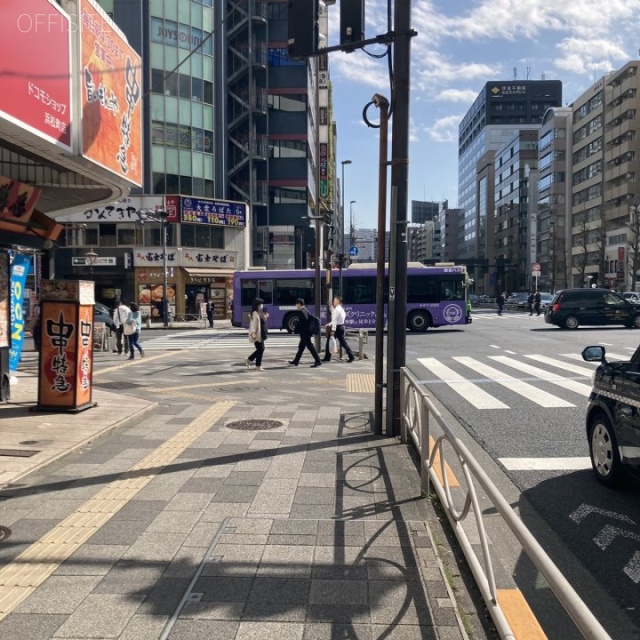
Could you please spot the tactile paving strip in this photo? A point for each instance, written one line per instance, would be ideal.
(34, 565)
(361, 383)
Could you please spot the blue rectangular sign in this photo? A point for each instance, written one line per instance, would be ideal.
(20, 264)
(216, 212)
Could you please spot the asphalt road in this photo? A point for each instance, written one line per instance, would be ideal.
(519, 388)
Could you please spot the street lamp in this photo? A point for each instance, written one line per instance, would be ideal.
(352, 231)
(342, 205)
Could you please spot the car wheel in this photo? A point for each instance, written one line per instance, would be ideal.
(571, 322)
(290, 322)
(635, 323)
(603, 449)
(419, 321)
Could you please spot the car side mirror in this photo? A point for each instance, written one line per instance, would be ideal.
(594, 354)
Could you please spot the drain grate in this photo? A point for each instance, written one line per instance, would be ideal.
(117, 384)
(254, 425)
(18, 453)
(5, 533)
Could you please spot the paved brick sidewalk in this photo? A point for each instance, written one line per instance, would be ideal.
(312, 529)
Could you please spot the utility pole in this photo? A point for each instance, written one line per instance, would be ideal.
(397, 338)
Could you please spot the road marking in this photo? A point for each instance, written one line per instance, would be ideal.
(565, 383)
(546, 464)
(120, 365)
(540, 397)
(516, 609)
(566, 366)
(35, 564)
(468, 390)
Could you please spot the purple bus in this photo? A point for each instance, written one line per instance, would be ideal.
(436, 296)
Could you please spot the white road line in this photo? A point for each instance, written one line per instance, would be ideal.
(525, 389)
(545, 464)
(566, 366)
(565, 383)
(469, 391)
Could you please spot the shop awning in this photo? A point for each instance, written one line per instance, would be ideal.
(209, 272)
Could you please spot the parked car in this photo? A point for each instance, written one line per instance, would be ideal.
(517, 301)
(474, 299)
(485, 299)
(571, 308)
(612, 419)
(102, 313)
(632, 297)
(545, 301)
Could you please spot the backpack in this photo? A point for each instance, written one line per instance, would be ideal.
(314, 325)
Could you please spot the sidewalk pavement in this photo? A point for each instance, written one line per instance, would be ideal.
(316, 529)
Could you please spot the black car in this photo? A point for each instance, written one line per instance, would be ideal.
(572, 307)
(101, 313)
(613, 416)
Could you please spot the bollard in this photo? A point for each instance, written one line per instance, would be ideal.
(149, 322)
(363, 338)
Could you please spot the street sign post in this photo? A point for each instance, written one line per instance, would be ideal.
(536, 271)
(354, 251)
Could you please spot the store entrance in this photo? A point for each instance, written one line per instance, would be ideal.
(196, 294)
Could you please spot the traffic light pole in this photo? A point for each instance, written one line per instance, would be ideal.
(397, 336)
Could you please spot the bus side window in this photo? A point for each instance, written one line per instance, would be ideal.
(451, 290)
(265, 291)
(422, 289)
(359, 290)
(248, 292)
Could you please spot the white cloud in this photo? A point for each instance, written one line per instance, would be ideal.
(445, 129)
(585, 56)
(457, 95)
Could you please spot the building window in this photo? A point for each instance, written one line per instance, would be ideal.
(291, 102)
(202, 235)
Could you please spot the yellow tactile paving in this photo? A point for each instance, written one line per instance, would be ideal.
(516, 609)
(361, 383)
(35, 564)
(437, 467)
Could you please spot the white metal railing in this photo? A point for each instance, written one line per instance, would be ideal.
(417, 412)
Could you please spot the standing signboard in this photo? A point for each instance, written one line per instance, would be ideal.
(66, 352)
(5, 336)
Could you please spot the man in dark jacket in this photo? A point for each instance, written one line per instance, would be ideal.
(302, 328)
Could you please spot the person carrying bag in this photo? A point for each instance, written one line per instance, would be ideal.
(132, 329)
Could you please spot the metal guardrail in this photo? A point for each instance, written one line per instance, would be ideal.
(417, 412)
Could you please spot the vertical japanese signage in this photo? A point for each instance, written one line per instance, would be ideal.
(111, 96)
(5, 297)
(66, 351)
(20, 264)
(17, 200)
(35, 67)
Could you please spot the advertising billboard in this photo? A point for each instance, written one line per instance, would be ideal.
(111, 96)
(35, 69)
(220, 213)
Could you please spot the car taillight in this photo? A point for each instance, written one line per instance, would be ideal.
(556, 307)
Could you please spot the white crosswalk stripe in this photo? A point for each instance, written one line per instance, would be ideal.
(468, 390)
(194, 340)
(540, 397)
(558, 372)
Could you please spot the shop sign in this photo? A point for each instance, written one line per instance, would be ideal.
(17, 200)
(208, 258)
(154, 257)
(149, 274)
(111, 96)
(20, 265)
(202, 211)
(36, 47)
(66, 351)
(125, 210)
(99, 261)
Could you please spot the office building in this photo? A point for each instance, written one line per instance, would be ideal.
(501, 110)
(421, 211)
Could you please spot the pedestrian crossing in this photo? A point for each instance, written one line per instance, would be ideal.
(476, 380)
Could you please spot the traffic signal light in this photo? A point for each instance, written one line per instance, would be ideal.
(302, 28)
(351, 21)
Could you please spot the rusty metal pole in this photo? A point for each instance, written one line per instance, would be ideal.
(383, 104)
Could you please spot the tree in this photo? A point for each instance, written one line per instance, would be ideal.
(633, 241)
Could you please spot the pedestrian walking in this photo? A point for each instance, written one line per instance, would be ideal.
(537, 299)
(209, 312)
(257, 333)
(120, 315)
(338, 317)
(530, 301)
(132, 329)
(500, 300)
(304, 330)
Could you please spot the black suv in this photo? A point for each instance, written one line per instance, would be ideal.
(572, 307)
(613, 416)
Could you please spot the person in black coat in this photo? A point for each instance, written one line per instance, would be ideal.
(209, 310)
(302, 328)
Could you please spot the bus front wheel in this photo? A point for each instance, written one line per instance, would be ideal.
(419, 321)
(290, 322)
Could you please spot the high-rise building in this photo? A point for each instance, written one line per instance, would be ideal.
(421, 211)
(500, 111)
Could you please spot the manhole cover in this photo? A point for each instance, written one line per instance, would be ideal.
(254, 425)
(117, 384)
(18, 453)
(5, 532)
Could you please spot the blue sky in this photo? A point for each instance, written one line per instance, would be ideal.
(460, 46)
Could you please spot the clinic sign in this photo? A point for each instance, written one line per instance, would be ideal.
(35, 67)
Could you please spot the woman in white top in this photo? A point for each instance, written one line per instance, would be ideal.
(257, 333)
(134, 323)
